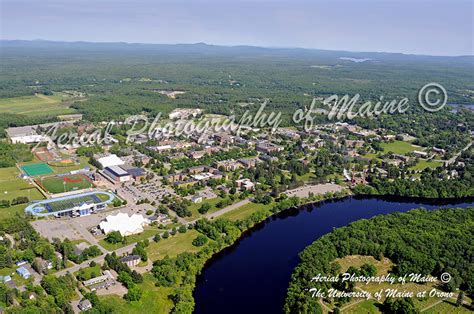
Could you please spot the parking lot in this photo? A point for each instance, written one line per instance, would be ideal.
(152, 191)
(78, 228)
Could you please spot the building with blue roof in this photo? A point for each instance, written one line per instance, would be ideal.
(23, 272)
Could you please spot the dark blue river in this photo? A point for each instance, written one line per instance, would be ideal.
(252, 275)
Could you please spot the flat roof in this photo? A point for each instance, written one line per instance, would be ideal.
(117, 171)
(22, 131)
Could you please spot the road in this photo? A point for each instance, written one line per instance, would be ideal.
(228, 209)
(453, 159)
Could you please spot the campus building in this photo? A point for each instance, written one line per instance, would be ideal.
(72, 205)
(25, 135)
(117, 174)
(126, 225)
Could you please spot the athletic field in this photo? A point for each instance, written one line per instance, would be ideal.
(33, 170)
(60, 184)
(55, 206)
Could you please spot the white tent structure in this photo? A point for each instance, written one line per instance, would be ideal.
(111, 160)
(126, 225)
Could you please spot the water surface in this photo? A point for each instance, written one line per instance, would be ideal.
(252, 275)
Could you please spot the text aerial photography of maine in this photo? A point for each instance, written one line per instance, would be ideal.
(246, 156)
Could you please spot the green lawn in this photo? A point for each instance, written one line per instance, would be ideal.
(147, 233)
(11, 187)
(447, 307)
(194, 207)
(368, 306)
(245, 211)
(65, 184)
(399, 147)
(89, 272)
(39, 105)
(174, 245)
(154, 299)
(83, 162)
(422, 164)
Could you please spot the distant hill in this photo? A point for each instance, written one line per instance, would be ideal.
(207, 49)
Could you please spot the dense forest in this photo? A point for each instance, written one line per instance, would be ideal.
(419, 241)
(119, 80)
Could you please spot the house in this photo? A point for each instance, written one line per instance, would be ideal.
(23, 272)
(41, 265)
(85, 305)
(245, 184)
(196, 199)
(5, 279)
(354, 143)
(20, 263)
(437, 150)
(421, 154)
(131, 260)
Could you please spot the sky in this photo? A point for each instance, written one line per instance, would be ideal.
(431, 27)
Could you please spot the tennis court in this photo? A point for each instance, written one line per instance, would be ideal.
(39, 169)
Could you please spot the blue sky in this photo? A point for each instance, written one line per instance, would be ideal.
(410, 26)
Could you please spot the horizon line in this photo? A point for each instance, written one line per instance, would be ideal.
(231, 46)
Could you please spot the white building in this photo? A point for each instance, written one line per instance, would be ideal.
(111, 160)
(126, 225)
(25, 135)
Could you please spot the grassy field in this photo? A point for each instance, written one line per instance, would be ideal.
(367, 306)
(447, 307)
(65, 184)
(423, 164)
(89, 272)
(174, 245)
(245, 211)
(39, 105)
(83, 163)
(154, 299)
(147, 233)
(11, 187)
(194, 208)
(399, 147)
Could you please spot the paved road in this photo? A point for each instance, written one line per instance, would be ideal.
(453, 159)
(228, 209)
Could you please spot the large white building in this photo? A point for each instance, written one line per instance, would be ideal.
(126, 225)
(25, 135)
(111, 160)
